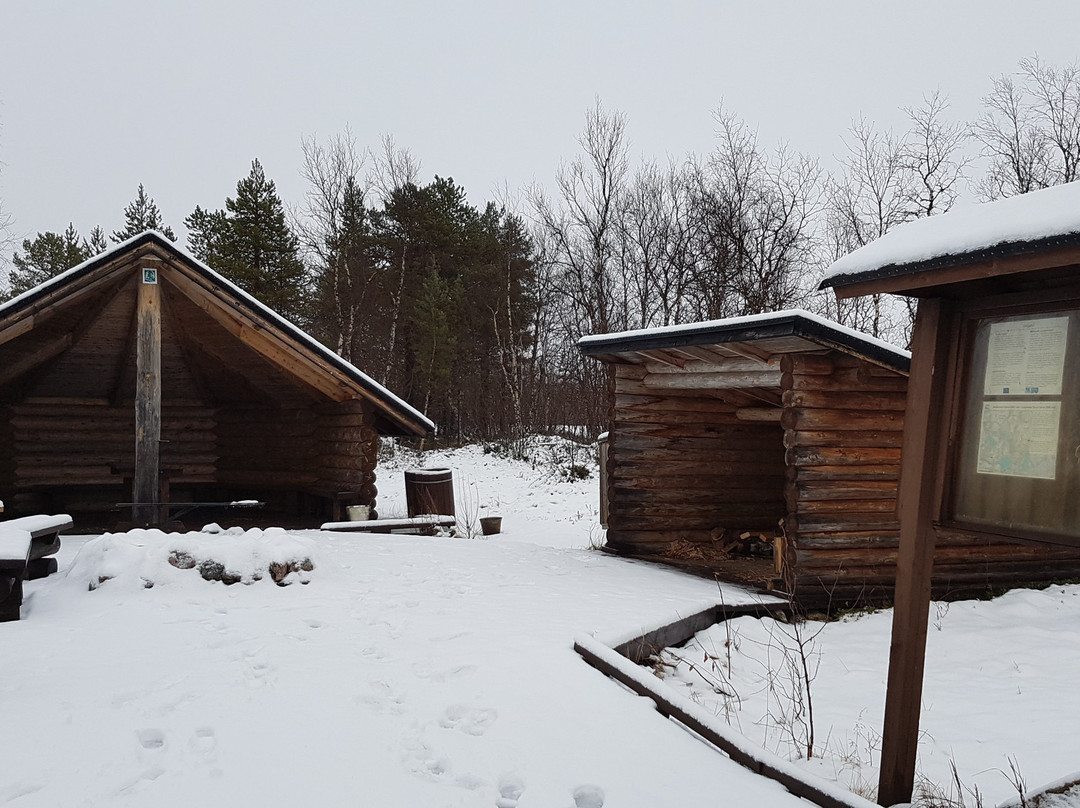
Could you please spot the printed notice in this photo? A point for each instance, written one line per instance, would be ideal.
(1019, 439)
(1026, 357)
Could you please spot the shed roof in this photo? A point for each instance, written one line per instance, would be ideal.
(257, 326)
(1041, 222)
(760, 336)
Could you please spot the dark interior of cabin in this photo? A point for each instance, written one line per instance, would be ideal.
(234, 424)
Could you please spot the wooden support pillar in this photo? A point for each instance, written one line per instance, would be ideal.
(146, 493)
(924, 431)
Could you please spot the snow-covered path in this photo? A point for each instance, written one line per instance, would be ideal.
(411, 671)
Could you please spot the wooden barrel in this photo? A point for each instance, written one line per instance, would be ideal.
(429, 491)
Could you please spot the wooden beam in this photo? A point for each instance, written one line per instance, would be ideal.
(921, 282)
(919, 471)
(769, 414)
(146, 491)
(716, 366)
(713, 381)
(44, 353)
(317, 374)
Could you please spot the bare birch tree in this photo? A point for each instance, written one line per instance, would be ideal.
(1030, 129)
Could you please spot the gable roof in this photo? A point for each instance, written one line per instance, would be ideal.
(759, 335)
(261, 329)
(1044, 221)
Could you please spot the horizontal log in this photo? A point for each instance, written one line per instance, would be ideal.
(765, 414)
(338, 462)
(69, 473)
(773, 456)
(744, 365)
(817, 399)
(736, 523)
(826, 522)
(843, 473)
(841, 456)
(725, 432)
(854, 540)
(948, 561)
(629, 372)
(346, 448)
(344, 420)
(870, 439)
(758, 466)
(852, 507)
(843, 420)
(664, 403)
(675, 417)
(638, 388)
(861, 537)
(277, 479)
(714, 381)
(815, 364)
(678, 496)
(718, 512)
(850, 380)
(635, 447)
(698, 482)
(846, 490)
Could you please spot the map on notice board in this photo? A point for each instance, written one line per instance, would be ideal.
(1019, 439)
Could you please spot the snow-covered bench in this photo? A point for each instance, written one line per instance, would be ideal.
(427, 523)
(25, 547)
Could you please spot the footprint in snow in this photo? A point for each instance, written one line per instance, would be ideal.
(511, 788)
(204, 742)
(151, 738)
(468, 720)
(588, 797)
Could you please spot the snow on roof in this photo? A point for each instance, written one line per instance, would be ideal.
(734, 325)
(264, 310)
(1049, 213)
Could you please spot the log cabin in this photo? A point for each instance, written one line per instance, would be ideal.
(144, 377)
(766, 450)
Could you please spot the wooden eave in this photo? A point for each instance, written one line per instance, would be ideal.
(273, 338)
(763, 341)
(1001, 269)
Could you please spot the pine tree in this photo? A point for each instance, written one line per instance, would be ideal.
(258, 251)
(44, 257)
(97, 242)
(206, 230)
(142, 214)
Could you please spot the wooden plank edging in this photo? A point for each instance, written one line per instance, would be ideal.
(707, 726)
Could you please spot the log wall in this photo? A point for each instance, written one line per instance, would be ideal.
(843, 423)
(268, 448)
(683, 467)
(347, 451)
(56, 449)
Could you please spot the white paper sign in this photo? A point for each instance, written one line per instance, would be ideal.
(1026, 357)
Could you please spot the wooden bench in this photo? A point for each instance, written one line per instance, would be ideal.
(425, 524)
(25, 547)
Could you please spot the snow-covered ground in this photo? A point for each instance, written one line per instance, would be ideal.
(409, 671)
(999, 691)
(428, 671)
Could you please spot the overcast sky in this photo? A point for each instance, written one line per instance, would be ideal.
(97, 96)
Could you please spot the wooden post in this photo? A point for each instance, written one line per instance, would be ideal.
(924, 430)
(146, 493)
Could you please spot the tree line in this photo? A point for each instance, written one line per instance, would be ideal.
(472, 313)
